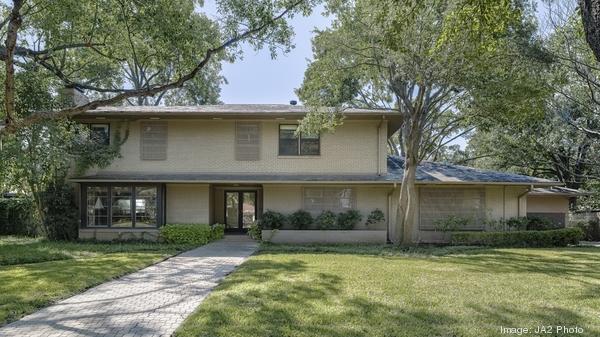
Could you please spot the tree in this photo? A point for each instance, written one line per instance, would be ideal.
(439, 64)
(590, 17)
(90, 45)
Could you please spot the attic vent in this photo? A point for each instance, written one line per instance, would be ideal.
(247, 141)
(153, 140)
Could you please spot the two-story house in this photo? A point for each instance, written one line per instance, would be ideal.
(229, 163)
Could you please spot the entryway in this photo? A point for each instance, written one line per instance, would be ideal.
(237, 206)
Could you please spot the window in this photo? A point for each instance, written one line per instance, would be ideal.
(440, 203)
(247, 141)
(153, 141)
(100, 133)
(122, 206)
(292, 145)
(336, 199)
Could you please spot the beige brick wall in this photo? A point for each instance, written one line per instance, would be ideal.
(208, 146)
(188, 203)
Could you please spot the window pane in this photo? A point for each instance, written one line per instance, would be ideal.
(248, 209)
(231, 209)
(334, 199)
(121, 206)
(310, 146)
(440, 203)
(145, 206)
(99, 133)
(97, 206)
(288, 141)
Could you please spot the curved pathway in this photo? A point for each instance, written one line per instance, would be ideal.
(150, 302)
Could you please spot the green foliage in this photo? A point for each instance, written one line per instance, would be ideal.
(539, 224)
(591, 229)
(375, 217)
(197, 234)
(327, 220)
(17, 216)
(61, 221)
(547, 238)
(255, 231)
(349, 219)
(452, 223)
(272, 220)
(300, 219)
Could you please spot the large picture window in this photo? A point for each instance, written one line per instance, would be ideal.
(336, 199)
(440, 203)
(122, 206)
(291, 144)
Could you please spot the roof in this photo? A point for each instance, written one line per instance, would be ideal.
(224, 110)
(434, 172)
(427, 173)
(558, 191)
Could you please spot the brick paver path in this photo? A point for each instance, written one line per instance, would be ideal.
(151, 302)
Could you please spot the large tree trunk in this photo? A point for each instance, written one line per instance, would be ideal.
(590, 15)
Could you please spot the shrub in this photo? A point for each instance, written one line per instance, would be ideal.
(197, 234)
(451, 223)
(61, 220)
(326, 220)
(16, 216)
(349, 219)
(272, 220)
(254, 231)
(591, 229)
(546, 238)
(535, 223)
(517, 223)
(375, 217)
(300, 220)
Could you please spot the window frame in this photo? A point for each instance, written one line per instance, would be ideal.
(90, 125)
(477, 227)
(160, 204)
(322, 189)
(298, 144)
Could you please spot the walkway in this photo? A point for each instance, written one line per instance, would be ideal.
(151, 302)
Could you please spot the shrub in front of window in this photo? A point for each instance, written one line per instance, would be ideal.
(300, 219)
(349, 219)
(272, 220)
(535, 223)
(452, 223)
(375, 217)
(545, 238)
(196, 234)
(326, 220)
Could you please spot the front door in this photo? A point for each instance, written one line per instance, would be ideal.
(240, 210)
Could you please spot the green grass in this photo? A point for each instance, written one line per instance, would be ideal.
(34, 273)
(344, 291)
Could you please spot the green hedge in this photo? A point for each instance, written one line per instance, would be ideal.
(199, 234)
(547, 238)
(16, 216)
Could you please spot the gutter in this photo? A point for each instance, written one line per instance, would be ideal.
(529, 189)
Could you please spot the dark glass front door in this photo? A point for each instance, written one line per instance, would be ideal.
(240, 210)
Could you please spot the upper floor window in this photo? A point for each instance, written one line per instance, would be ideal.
(153, 141)
(291, 144)
(100, 133)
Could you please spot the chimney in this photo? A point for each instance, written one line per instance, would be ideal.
(73, 96)
(293, 102)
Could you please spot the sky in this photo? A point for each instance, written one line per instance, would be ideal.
(258, 79)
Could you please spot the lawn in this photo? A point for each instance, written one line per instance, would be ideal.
(34, 273)
(381, 291)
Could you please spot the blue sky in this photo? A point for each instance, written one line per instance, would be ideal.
(259, 79)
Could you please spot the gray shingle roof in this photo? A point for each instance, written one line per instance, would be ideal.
(221, 109)
(433, 172)
(558, 191)
(427, 173)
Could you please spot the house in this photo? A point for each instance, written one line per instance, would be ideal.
(229, 163)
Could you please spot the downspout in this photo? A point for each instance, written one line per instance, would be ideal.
(379, 146)
(529, 189)
(389, 201)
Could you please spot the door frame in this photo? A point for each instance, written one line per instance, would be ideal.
(240, 193)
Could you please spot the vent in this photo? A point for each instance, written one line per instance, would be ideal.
(153, 141)
(247, 141)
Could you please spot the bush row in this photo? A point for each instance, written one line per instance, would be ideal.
(197, 234)
(16, 216)
(545, 238)
(591, 229)
(327, 220)
(457, 223)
